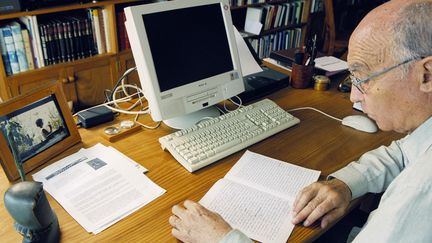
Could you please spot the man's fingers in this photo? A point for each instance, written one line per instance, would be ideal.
(193, 206)
(331, 217)
(318, 212)
(179, 235)
(305, 196)
(173, 220)
(306, 211)
(178, 211)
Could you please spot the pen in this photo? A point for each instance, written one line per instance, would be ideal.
(313, 52)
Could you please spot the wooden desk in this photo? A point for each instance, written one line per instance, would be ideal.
(317, 142)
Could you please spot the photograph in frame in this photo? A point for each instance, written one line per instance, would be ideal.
(37, 127)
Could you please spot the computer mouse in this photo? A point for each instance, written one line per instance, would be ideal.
(361, 123)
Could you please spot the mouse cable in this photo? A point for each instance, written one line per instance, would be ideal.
(314, 109)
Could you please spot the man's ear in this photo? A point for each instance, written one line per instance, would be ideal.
(426, 85)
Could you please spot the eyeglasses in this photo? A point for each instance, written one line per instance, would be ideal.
(359, 84)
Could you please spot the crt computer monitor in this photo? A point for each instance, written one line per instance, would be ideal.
(186, 57)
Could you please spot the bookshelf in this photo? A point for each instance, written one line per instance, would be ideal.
(284, 23)
(85, 78)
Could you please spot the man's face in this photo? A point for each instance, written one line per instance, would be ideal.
(389, 97)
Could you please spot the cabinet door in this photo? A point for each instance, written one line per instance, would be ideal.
(23, 83)
(91, 80)
(126, 61)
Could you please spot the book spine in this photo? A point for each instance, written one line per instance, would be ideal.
(88, 31)
(68, 40)
(121, 30)
(4, 54)
(19, 46)
(40, 54)
(10, 49)
(97, 31)
(46, 47)
(27, 47)
(91, 28)
(28, 22)
(126, 37)
(77, 39)
(102, 30)
(106, 30)
(63, 57)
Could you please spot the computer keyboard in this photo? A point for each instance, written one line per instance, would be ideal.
(214, 139)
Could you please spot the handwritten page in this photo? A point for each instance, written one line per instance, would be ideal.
(257, 194)
(271, 175)
(261, 216)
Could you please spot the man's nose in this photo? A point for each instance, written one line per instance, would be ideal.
(356, 95)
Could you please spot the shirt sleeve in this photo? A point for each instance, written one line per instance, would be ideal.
(374, 171)
(235, 236)
(406, 218)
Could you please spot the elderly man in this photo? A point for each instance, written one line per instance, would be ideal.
(390, 59)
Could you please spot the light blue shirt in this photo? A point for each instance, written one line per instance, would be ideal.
(404, 171)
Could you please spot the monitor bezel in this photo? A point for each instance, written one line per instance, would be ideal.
(146, 68)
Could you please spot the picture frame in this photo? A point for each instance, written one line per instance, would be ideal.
(38, 126)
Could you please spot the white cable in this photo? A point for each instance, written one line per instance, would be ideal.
(314, 109)
(124, 99)
(239, 105)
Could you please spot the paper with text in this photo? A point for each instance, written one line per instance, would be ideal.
(257, 194)
(98, 186)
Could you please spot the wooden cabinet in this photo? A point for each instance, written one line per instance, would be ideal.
(84, 81)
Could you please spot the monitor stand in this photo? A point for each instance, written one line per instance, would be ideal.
(188, 120)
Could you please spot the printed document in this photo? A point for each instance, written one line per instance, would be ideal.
(98, 186)
(257, 194)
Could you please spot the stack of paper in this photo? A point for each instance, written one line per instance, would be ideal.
(331, 65)
(98, 186)
(257, 194)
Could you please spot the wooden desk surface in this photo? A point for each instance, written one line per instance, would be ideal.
(317, 142)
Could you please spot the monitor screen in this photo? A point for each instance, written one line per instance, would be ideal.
(197, 48)
(186, 55)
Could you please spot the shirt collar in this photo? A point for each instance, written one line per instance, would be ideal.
(419, 141)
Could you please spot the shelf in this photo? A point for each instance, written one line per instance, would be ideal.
(275, 30)
(56, 67)
(63, 8)
(258, 4)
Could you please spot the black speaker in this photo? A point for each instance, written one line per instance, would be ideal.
(9, 6)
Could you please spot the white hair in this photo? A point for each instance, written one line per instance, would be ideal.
(412, 33)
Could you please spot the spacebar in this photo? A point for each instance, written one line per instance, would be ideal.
(226, 146)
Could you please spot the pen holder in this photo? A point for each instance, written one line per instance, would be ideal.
(301, 76)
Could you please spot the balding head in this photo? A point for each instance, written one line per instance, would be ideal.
(398, 30)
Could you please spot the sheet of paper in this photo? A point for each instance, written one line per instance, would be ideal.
(247, 61)
(276, 63)
(261, 216)
(330, 64)
(257, 194)
(253, 27)
(98, 187)
(271, 175)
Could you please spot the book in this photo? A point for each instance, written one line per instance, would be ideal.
(10, 49)
(105, 16)
(4, 54)
(257, 194)
(27, 47)
(19, 46)
(44, 46)
(97, 31)
(29, 22)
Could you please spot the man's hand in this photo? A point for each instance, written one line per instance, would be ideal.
(194, 223)
(327, 200)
